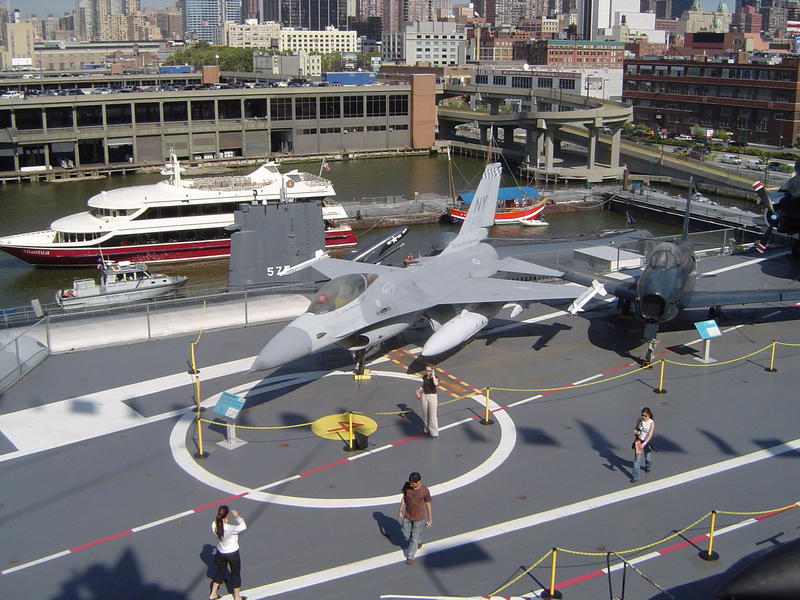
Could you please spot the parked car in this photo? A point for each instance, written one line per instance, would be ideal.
(755, 165)
(778, 166)
(685, 137)
(730, 159)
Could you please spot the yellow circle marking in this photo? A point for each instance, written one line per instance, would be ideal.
(337, 427)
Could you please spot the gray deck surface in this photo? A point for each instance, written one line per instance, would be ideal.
(562, 479)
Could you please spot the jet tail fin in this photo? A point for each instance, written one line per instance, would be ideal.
(481, 212)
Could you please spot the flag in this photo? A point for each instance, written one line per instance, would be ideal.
(325, 165)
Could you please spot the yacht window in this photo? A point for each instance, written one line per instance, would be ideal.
(340, 292)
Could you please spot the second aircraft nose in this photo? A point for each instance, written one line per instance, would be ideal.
(287, 345)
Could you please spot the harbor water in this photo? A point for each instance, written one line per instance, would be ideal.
(32, 207)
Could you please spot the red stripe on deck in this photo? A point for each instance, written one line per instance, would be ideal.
(218, 502)
(580, 578)
(683, 544)
(333, 464)
(408, 439)
(615, 369)
(101, 540)
(773, 513)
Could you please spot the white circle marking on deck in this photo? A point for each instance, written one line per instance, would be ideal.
(184, 459)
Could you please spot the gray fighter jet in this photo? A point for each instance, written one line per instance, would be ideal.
(457, 291)
(666, 286)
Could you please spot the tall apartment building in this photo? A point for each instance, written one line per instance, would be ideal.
(18, 45)
(397, 12)
(201, 17)
(307, 14)
(746, 20)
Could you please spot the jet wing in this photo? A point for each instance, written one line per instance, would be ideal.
(335, 267)
(515, 265)
(506, 290)
(697, 299)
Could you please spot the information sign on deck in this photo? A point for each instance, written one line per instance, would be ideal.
(708, 329)
(229, 405)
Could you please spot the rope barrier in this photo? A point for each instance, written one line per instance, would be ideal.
(521, 575)
(573, 386)
(255, 427)
(759, 512)
(719, 363)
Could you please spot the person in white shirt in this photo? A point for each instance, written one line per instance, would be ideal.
(227, 554)
(642, 446)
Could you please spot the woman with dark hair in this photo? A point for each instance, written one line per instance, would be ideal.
(642, 447)
(227, 550)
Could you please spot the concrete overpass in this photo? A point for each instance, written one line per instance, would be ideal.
(588, 122)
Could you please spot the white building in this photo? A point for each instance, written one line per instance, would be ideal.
(429, 43)
(596, 82)
(618, 21)
(317, 42)
(250, 35)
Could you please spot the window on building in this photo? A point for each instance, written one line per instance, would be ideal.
(305, 108)
(229, 109)
(353, 106)
(330, 107)
(544, 82)
(566, 84)
(481, 79)
(398, 105)
(147, 112)
(202, 110)
(280, 109)
(521, 82)
(176, 111)
(499, 80)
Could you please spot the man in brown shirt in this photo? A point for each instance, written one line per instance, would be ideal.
(416, 501)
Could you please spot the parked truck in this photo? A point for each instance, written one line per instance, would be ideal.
(349, 78)
(175, 69)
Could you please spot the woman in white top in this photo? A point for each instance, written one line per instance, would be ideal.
(227, 550)
(645, 428)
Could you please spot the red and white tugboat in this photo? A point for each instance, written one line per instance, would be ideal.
(514, 205)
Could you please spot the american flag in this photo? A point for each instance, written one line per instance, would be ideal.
(325, 165)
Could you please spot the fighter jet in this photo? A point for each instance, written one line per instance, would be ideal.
(457, 291)
(666, 286)
(781, 210)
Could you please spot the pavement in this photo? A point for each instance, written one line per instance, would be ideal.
(107, 498)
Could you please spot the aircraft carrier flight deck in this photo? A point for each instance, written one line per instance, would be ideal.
(103, 495)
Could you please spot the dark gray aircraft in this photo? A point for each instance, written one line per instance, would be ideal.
(781, 210)
(666, 286)
(457, 291)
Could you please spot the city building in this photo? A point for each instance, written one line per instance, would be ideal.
(695, 19)
(73, 56)
(755, 102)
(307, 14)
(570, 52)
(397, 12)
(617, 20)
(201, 17)
(316, 42)
(250, 35)
(591, 81)
(429, 43)
(746, 20)
(300, 65)
(18, 49)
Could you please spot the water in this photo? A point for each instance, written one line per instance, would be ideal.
(30, 207)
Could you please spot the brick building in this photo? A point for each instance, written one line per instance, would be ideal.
(755, 102)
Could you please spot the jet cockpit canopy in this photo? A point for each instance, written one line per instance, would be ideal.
(340, 292)
(663, 258)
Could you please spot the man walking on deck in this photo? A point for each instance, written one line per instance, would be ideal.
(414, 504)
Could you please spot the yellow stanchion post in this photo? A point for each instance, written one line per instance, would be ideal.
(486, 420)
(552, 592)
(660, 389)
(197, 411)
(350, 445)
(772, 368)
(709, 553)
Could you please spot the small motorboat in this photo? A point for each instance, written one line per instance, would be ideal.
(533, 222)
(120, 282)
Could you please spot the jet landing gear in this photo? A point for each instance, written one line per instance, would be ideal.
(359, 370)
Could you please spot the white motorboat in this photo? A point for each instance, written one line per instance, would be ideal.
(120, 282)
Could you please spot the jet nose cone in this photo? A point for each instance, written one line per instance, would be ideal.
(287, 345)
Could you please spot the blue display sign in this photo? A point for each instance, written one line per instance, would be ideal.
(708, 329)
(229, 405)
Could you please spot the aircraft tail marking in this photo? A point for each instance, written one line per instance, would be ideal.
(481, 212)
